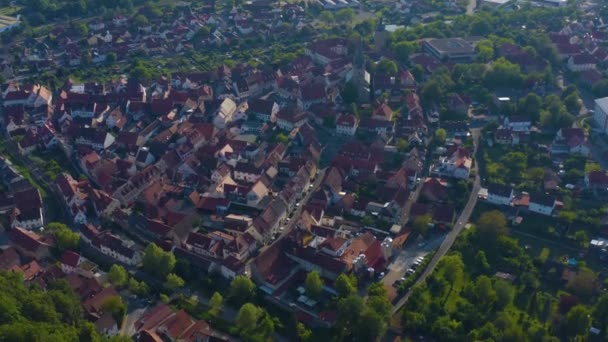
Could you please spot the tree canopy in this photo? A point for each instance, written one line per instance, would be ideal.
(158, 262)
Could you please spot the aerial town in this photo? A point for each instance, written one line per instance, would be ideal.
(317, 170)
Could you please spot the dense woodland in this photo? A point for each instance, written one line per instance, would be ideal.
(30, 314)
(466, 298)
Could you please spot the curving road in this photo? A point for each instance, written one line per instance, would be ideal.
(452, 235)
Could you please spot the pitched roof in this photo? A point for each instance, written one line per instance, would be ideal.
(25, 239)
(70, 258)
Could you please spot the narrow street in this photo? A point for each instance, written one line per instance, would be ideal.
(296, 213)
(452, 235)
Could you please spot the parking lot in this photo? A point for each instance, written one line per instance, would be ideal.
(405, 258)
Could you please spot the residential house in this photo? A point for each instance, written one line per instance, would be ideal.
(570, 140)
(313, 94)
(596, 180)
(70, 261)
(581, 62)
(290, 118)
(542, 204)
(114, 247)
(380, 127)
(223, 115)
(246, 172)
(435, 189)
(28, 208)
(268, 222)
(263, 110)
(517, 124)
(456, 165)
(75, 196)
(29, 244)
(383, 112)
(500, 194)
(457, 104)
(94, 138)
(600, 115)
(346, 125)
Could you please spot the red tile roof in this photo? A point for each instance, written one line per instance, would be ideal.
(70, 258)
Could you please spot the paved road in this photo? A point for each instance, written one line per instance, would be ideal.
(452, 235)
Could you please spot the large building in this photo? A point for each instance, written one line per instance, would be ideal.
(454, 49)
(601, 114)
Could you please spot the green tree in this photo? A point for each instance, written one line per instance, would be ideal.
(254, 323)
(485, 50)
(530, 106)
(431, 92)
(404, 50)
(116, 307)
(138, 288)
(581, 238)
(173, 282)
(516, 162)
(327, 17)
(387, 66)
(578, 321)
(349, 313)
(453, 270)
(345, 15)
(282, 138)
(118, 275)
(242, 289)
(346, 285)
(216, 304)
(313, 285)
(377, 289)
(584, 283)
(140, 20)
(504, 294)
(158, 262)
(600, 89)
(573, 103)
(304, 334)
(503, 73)
(350, 93)
(372, 326)
(421, 224)
(481, 262)
(590, 167)
(600, 311)
(247, 318)
(484, 292)
(111, 58)
(402, 145)
(491, 225)
(440, 135)
(65, 237)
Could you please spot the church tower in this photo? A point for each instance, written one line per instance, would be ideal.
(380, 37)
(359, 76)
